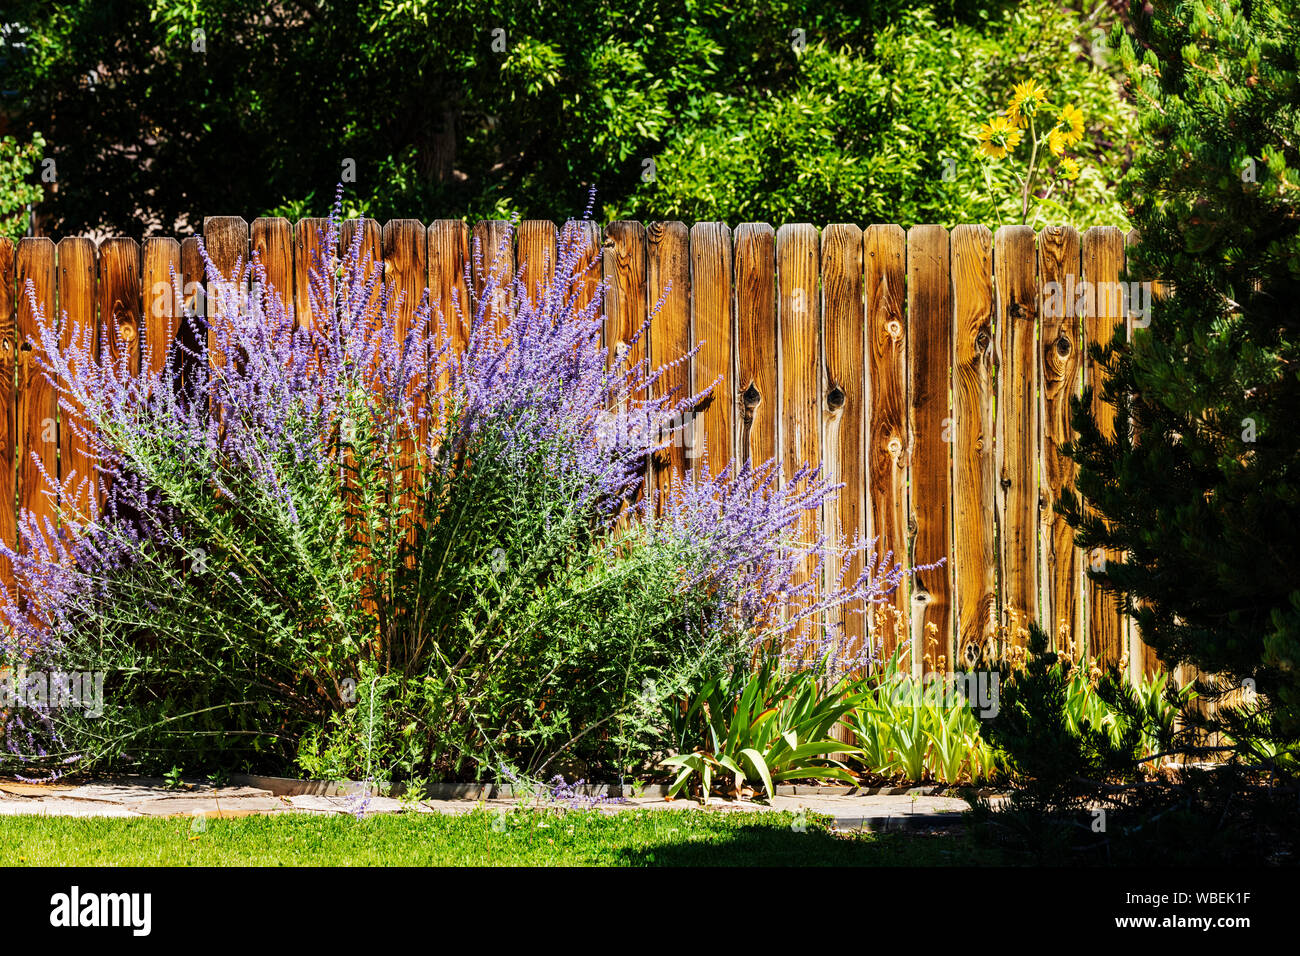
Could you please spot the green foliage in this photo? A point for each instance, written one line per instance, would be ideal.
(758, 726)
(865, 130)
(507, 633)
(1064, 736)
(848, 119)
(17, 165)
(1200, 495)
(911, 731)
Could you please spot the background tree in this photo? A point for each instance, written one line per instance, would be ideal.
(1203, 494)
(18, 171)
(161, 111)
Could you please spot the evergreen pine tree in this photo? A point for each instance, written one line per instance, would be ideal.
(1203, 494)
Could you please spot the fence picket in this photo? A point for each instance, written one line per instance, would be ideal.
(226, 239)
(584, 238)
(842, 407)
(799, 322)
(448, 255)
(537, 248)
(971, 431)
(756, 346)
(8, 408)
(161, 258)
(1017, 428)
(308, 254)
(668, 277)
(1061, 565)
(119, 300)
(1142, 659)
(272, 242)
(77, 268)
(494, 252)
(929, 357)
(711, 331)
(405, 268)
(625, 292)
(37, 440)
(1103, 258)
(887, 445)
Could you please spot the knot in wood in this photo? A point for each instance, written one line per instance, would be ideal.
(1063, 346)
(982, 340)
(751, 397)
(835, 397)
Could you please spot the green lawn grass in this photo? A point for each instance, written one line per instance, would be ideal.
(479, 838)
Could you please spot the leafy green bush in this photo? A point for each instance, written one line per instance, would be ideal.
(1065, 731)
(886, 130)
(17, 165)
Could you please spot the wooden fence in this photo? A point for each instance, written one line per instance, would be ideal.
(929, 370)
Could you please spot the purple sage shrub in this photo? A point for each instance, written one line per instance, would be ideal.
(301, 511)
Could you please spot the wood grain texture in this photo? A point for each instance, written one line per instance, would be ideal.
(8, 408)
(272, 243)
(78, 306)
(971, 432)
(884, 250)
(1103, 259)
(929, 360)
(668, 286)
(537, 249)
(626, 305)
(1017, 428)
(308, 255)
(120, 300)
(1061, 357)
(448, 258)
(226, 239)
(756, 346)
(843, 408)
(160, 261)
(580, 244)
(38, 439)
(712, 332)
(493, 249)
(799, 321)
(405, 268)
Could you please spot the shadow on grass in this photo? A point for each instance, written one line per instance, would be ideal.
(767, 846)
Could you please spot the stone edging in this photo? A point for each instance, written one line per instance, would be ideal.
(291, 787)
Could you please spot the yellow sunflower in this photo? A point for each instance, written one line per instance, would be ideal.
(999, 136)
(1056, 141)
(1072, 117)
(1069, 167)
(1026, 97)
